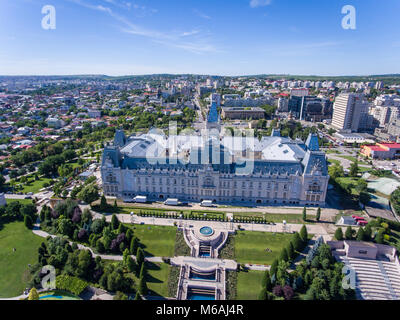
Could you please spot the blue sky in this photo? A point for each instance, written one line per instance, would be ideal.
(235, 37)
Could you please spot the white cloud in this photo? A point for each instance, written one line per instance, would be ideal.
(259, 3)
(201, 14)
(190, 41)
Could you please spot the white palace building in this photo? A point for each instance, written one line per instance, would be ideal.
(231, 170)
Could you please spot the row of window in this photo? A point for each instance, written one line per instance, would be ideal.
(209, 182)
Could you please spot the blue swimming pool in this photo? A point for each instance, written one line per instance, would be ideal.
(199, 296)
(204, 254)
(207, 231)
(198, 276)
(50, 296)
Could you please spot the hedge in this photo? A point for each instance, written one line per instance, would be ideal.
(71, 284)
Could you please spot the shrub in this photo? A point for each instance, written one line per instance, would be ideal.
(278, 291)
(71, 284)
(288, 292)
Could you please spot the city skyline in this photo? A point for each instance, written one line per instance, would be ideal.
(117, 37)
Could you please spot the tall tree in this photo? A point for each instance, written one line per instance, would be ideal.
(349, 233)
(339, 234)
(304, 235)
(354, 169)
(143, 286)
(360, 235)
(318, 217)
(140, 257)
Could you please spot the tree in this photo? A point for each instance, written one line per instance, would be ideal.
(360, 235)
(274, 267)
(339, 234)
(138, 296)
(100, 246)
(284, 255)
(140, 257)
(288, 292)
(304, 235)
(318, 214)
(103, 203)
(266, 281)
(290, 251)
(143, 286)
(89, 194)
(367, 233)
(379, 237)
(120, 296)
(365, 198)
(143, 271)
(114, 222)
(28, 222)
(354, 169)
(304, 214)
(361, 185)
(297, 242)
(349, 233)
(134, 245)
(336, 171)
(263, 294)
(33, 294)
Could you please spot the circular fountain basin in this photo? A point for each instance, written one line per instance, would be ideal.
(206, 231)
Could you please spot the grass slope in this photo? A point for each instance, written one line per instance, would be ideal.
(14, 265)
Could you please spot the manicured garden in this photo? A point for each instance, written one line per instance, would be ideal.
(14, 265)
(259, 247)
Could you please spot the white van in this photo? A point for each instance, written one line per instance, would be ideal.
(207, 203)
(140, 199)
(171, 202)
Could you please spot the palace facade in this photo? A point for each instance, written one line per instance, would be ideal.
(231, 170)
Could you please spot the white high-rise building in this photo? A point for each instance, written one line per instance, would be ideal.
(350, 112)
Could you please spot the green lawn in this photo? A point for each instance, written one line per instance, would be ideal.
(249, 284)
(250, 246)
(21, 201)
(353, 159)
(157, 279)
(333, 161)
(158, 241)
(346, 181)
(34, 186)
(14, 265)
